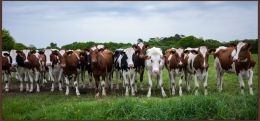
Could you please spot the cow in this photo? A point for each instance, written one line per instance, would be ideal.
(196, 64)
(139, 59)
(85, 65)
(174, 62)
(43, 67)
(34, 69)
(23, 69)
(53, 60)
(154, 62)
(125, 63)
(116, 66)
(101, 66)
(237, 59)
(6, 66)
(70, 63)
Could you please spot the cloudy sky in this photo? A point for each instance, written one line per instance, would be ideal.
(40, 23)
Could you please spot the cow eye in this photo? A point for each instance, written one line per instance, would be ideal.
(151, 61)
(159, 61)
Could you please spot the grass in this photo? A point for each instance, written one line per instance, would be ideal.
(229, 104)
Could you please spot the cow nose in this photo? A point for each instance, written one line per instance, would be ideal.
(156, 71)
(48, 64)
(206, 66)
(130, 65)
(94, 61)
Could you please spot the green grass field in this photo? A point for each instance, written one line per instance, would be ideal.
(229, 104)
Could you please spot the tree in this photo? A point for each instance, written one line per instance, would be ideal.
(32, 47)
(53, 46)
(7, 39)
(19, 46)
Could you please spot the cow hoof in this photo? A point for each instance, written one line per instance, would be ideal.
(97, 95)
(66, 93)
(78, 94)
(52, 90)
(60, 90)
(6, 90)
(38, 91)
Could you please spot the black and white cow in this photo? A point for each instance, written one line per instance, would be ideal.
(116, 67)
(125, 63)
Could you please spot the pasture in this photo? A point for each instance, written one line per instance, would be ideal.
(229, 104)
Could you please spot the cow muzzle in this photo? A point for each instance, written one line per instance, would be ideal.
(131, 65)
(156, 71)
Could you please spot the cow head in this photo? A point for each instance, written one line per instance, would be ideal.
(94, 53)
(48, 53)
(154, 59)
(241, 52)
(13, 55)
(203, 54)
(128, 57)
(140, 49)
(176, 56)
(26, 52)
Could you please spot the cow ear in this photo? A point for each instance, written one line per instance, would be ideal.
(212, 50)
(147, 57)
(248, 46)
(146, 46)
(232, 45)
(134, 46)
(186, 51)
(172, 51)
(195, 51)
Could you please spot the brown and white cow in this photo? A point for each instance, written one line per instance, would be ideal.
(196, 64)
(139, 60)
(69, 63)
(34, 69)
(101, 66)
(6, 66)
(174, 63)
(238, 59)
(53, 60)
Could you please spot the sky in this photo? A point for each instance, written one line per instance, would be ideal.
(64, 22)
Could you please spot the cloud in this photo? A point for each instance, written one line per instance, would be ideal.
(40, 23)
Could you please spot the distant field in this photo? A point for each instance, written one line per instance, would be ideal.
(229, 104)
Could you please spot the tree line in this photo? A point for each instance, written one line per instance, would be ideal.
(175, 41)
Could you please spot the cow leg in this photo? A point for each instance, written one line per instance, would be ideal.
(196, 85)
(21, 82)
(180, 86)
(172, 82)
(90, 79)
(150, 84)
(67, 85)
(132, 81)
(126, 83)
(31, 80)
(97, 85)
(6, 80)
(103, 85)
(188, 82)
(161, 84)
(241, 81)
(76, 84)
(141, 78)
(170, 79)
(37, 80)
(60, 78)
(205, 84)
(250, 82)
(51, 76)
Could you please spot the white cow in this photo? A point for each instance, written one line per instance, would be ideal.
(154, 62)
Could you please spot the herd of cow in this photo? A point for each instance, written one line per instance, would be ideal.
(69, 67)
